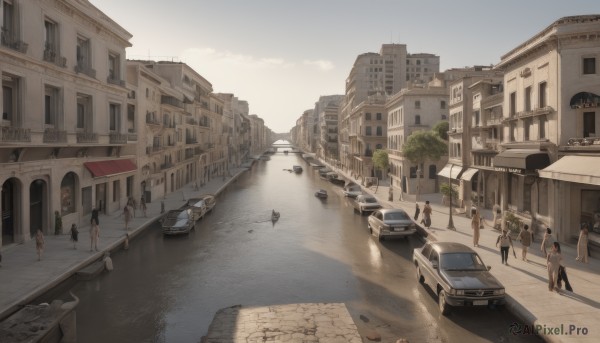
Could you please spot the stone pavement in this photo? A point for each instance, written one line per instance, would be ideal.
(323, 323)
(23, 278)
(526, 283)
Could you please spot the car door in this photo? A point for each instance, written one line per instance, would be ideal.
(432, 271)
(376, 219)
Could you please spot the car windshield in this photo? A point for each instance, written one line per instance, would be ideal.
(396, 216)
(461, 261)
(370, 200)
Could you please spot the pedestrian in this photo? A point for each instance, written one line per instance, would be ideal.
(126, 243)
(130, 204)
(526, 239)
(127, 215)
(417, 211)
(94, 217)
(562, 276)
(505, 244)
(39, 243)
(547, 241)
(427, 214)
(143, 205)
(94, 235)
(582, 244)
(475, 225)
(553, 260)
(74, 235)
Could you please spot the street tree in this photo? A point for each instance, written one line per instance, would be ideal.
(381, 161)
(423, 146)
(441, 129)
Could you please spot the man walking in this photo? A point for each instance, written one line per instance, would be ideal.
(526, 238)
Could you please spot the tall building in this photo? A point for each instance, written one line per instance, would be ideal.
(421, 68)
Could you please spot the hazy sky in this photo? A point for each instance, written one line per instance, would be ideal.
(281, 55)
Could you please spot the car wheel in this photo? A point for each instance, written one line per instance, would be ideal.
(420, 276)
(444, 307)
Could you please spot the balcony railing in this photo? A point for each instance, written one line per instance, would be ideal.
(166, 165)
(114, 81)
(117, 138)
(191, 140)
(15, 134)
(151, 118)
(153, 149)
(132, 137)
(55, 136)
(87, 137)
(170, 100)
(52, 56)
(85, 69)
(11, 41)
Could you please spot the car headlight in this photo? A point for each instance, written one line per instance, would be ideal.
(452, 292)
(499, 291)
(460, 292)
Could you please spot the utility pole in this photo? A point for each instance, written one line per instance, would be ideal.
(450, 221)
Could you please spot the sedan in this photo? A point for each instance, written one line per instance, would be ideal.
(457, 275)
(365, 203)
(390, 222)
(178, 222)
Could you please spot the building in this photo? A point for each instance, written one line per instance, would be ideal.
(550, 147)
(326, 120)
(421, 68)
(67, 142)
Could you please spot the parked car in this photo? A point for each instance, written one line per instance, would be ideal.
(390, 222)
(365, 203)
(321, 193)
(198, 207)
(297, 169)
(178, 222)
(457, 275)
(352, 190)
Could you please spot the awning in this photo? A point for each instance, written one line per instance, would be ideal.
(579, 169)
(468, 174)
(110, 167)
(456, 169)
(527, 159)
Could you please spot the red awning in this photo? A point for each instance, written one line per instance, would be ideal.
(111, 167)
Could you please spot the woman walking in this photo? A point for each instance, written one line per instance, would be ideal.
(582, 244)
(127, 213)
(547, 242)
(74, 235)
(475, 225)
(427, 214)
(553, 261)
(94, 235)
(526, 238)
(39, 243)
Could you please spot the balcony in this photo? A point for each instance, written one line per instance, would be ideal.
(52, 56)
(191, 140)
(115, 81)
(152, 119)
(55, 136)
(11, 41)
(166, 165)
(198, 151)
(171, 100)
(85, 69)
(189, 154)
(15, 134)
(117, 138)
(87, 137)
(208, 146)
(153, 149)
(132, 137)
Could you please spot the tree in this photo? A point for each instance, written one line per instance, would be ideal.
(381, 161)
(422, 146)
(441, 129)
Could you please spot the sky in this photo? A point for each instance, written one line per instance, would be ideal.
(281, 55)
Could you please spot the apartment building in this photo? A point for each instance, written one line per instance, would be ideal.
(421, 68)
(419, 107)
(551, 150)
(326, 119)
(67, 143)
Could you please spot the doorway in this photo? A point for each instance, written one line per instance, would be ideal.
(9, 211)
(37, 194)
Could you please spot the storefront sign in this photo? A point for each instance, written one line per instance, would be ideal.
(509, 170)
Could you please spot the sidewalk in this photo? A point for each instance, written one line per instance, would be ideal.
(526, 283)
(24, 278)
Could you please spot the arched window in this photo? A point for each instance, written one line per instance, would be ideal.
(67, 194)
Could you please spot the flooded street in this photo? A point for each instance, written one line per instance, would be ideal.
(167, 289)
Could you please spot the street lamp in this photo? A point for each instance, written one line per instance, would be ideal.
(450, 221)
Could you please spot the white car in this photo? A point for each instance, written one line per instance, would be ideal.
(365, 203)
(352, 190)
(390, 222)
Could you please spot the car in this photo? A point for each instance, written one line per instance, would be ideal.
(390, 222)
(178, 222)
(457, 275)
(352, 190)
(198, 207)
(365, 203)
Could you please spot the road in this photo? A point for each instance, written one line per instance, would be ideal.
(167, 289)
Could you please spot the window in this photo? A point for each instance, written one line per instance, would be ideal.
(379, 131)
(444, 117)
(367, 116)
(8, 22)
(476, 118)
(589, 124)
(114, 62)
(432, 171)
(528, 99)
(589, 65)
(84, 112)
(442, 104)
(526, 129)
(542, 127)
(114, 116)
(417, 119)
(417, 104)
(512, 105)
(51, 40)
(542, 95)
(83, 53)
(413, 172)
(378, 116)
(130, 118)
(10, 97)
(67, 194)
(51, 105)
(511, 133)
(368, 131)
(116, 190)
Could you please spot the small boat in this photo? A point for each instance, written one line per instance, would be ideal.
(198, 207)
(321, 193)
(209, 201)
(297, 169)
(275, 216)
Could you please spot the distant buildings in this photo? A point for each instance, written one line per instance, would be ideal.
(82, 127)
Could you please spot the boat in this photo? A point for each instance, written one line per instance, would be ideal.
(275, 216)
(209, 201)
(321, 193)
(297, 169)
(198, 207)
(178, 222)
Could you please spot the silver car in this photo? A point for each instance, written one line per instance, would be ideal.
(365, 203)
(390, 222)
(457, 275)
(178, 222)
